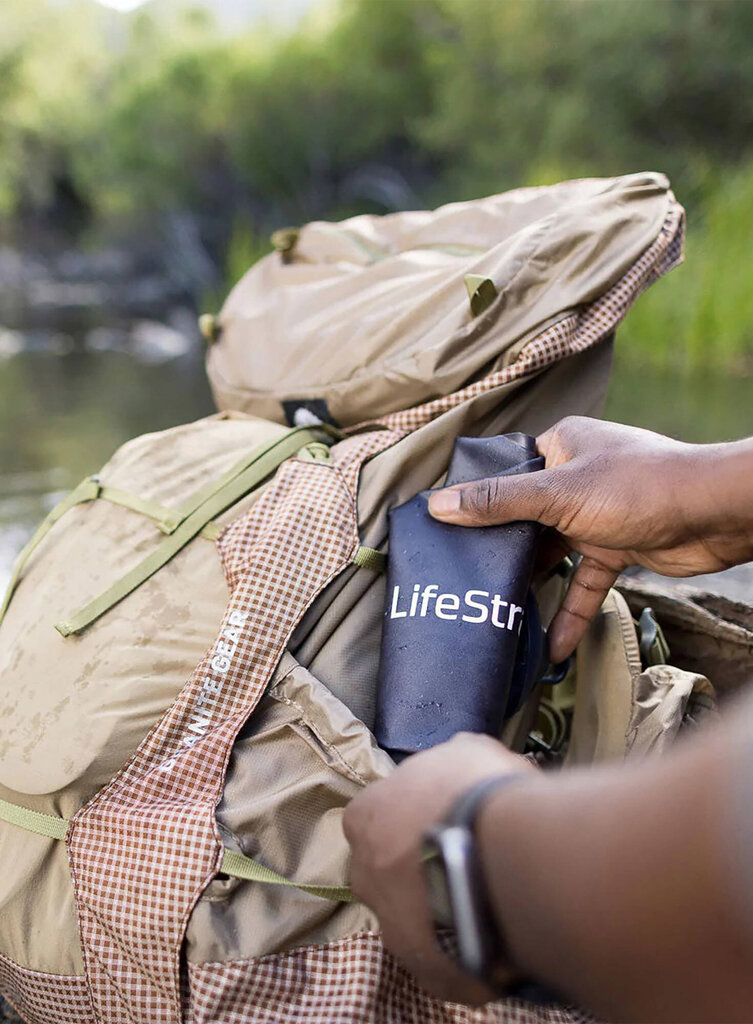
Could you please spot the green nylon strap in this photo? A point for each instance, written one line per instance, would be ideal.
(90, 489)
(238, 866)
(265, 462)
(87, 490)
(211, 531)
(167, 519)
(369, 558)
(234, 864)
(203, 495)
(43, 824)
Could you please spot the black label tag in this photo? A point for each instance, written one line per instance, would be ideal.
(307, 412)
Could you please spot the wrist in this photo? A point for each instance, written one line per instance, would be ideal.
(720, 491)
(501, 827)
(456, 883)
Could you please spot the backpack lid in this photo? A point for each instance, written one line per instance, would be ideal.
(353, 320)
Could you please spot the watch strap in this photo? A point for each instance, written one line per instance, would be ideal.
(464, 814)
(466, 808)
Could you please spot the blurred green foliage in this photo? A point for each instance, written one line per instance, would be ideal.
(377, 104)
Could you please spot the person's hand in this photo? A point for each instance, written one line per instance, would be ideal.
(619, 496)
(384, 826)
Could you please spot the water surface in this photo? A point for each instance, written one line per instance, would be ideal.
(66, 403)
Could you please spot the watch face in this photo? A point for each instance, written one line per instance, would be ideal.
(436, 882)
(457, 898)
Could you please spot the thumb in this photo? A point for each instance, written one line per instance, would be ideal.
(544, 496)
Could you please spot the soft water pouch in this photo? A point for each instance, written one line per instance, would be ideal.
(462, 644)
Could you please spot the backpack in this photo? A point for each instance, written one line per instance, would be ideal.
(190, 643)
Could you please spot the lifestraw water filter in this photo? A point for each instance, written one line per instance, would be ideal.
(462, 645)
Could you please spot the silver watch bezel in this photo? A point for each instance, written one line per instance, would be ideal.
(462, 902)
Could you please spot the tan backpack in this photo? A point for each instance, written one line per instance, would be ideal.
(189, 649)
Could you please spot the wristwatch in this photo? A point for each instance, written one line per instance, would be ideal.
(467, 930)
(454, 874)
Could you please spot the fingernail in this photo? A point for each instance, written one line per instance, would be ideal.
(444, 503)
(560, 642)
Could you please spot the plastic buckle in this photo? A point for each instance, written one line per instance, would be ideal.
(652, 643)
(315, 451)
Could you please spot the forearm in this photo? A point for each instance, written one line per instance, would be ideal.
(725, 484)
(613, 885)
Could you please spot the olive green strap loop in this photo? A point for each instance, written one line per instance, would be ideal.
(233, 863)
(90, 489)
(481, 291)
(33, 821)
(265, 462)
(211, 531)
(167, 519)
(87, 490)
(209, 327)
(238, 866)
(370, 558)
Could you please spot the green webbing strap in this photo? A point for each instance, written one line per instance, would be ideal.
(265, 462)
(211, 531)
(369, 558)
(87, 490)
(167, 519)
(238, 866)
(233, 863)
(43, 824)
(205, 493)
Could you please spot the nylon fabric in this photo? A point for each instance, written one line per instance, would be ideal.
(372, 316)
(75, 710)
(307, 755)
(233, 863)
(87, 490)
(354, 979)
(639, 712)
(220, 497)
(340, 637)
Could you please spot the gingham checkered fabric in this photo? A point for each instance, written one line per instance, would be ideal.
(353, 981)
(146, 846)
(45, 998)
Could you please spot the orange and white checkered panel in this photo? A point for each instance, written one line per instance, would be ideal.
(354, 981)
(145, 848)
(45, 998)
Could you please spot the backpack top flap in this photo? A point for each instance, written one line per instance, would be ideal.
(378, 314)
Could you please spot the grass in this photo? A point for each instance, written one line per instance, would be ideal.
(701, 316)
